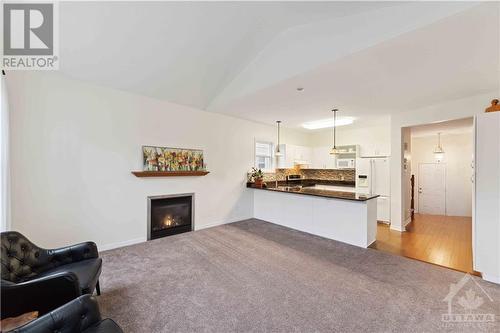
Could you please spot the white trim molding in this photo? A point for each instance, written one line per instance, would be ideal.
(406, 222)
(121, 244)
(215, 224)
(491, 278)
(397, 228)
(403, 228)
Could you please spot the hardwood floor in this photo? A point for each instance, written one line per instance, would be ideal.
(440, 240)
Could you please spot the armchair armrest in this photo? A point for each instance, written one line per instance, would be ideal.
(43, 294)
(75, 316)
(73, 253)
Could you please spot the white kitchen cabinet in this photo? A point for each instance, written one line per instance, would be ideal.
(374, 150)
(348, 221)
(302, 155)
(321, 158)
(292, 155)
(384, 209)
(285, 161)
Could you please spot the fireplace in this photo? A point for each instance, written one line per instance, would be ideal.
(170, 215)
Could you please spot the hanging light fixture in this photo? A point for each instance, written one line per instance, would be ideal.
(438, 151)
(278, 152)
(334, 150)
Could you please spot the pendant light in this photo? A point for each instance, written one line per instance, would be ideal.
(334, 150)
(438, 151)
(278, 152)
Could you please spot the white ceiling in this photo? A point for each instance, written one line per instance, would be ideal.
(457, 126)
(246, 59)
(184, 52)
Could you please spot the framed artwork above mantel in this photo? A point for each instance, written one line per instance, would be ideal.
(167, 161)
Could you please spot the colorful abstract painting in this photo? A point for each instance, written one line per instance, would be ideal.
(172, 159)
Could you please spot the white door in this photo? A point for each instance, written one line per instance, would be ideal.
(432, 188)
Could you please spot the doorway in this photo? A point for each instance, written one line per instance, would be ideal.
(437, 181)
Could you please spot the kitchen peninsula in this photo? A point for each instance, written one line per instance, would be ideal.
(328, 211)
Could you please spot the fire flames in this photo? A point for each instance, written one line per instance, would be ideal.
(168, 221)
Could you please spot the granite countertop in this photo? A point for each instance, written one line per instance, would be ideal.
(311, 190)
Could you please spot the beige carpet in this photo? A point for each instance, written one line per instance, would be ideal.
(254, 276)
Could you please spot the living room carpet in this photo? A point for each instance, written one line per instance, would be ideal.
(254, 276)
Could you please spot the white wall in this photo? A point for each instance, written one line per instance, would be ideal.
(73, 146)
(374, 139)
(486, 224)
(4, 158)
(457, 161)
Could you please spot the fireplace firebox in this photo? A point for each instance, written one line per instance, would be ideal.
(170, 215)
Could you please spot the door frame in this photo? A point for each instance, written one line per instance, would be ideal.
(419, 180)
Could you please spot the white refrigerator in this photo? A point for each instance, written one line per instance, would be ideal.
(373, 176)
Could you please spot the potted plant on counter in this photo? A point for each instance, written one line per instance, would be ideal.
(257, 176)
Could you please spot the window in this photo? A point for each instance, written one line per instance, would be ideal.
(264, 155)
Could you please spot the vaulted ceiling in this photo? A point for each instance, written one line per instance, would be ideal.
(184, 52)
(246, 59)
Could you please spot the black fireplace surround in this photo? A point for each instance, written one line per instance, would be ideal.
(169, 215)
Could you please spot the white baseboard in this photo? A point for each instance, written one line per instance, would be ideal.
(401, 228)
(397, 228)
(215, 224)
(491, 278)
(371, 243)
(121, 244)
(210, 225)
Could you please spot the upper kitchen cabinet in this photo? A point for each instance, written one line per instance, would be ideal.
(285, 161)
(321, 158)
(302, 155)
(374, 150)
(293, 155)
(349, 151)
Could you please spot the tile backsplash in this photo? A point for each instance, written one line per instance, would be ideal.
(329, 174)
(322, 174)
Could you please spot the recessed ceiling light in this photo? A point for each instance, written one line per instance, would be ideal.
(300, 89)
(326, 123)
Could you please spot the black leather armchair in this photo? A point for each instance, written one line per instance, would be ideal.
(37, 279)
(79, 315)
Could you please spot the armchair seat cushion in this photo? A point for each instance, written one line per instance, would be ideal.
(105, 326)
(87, 271)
